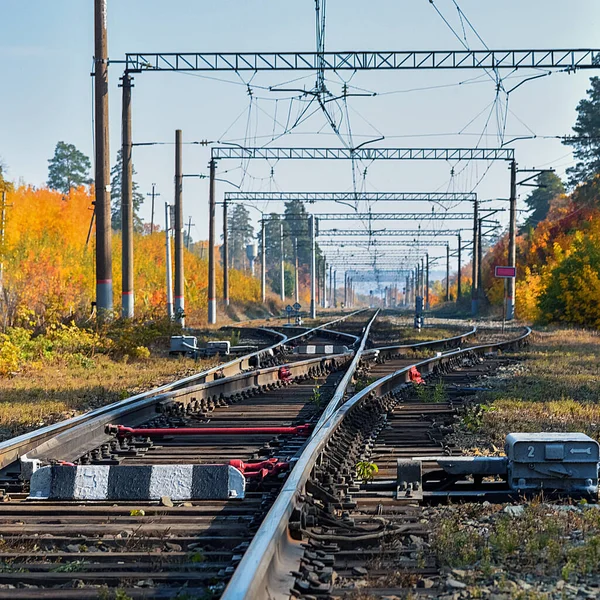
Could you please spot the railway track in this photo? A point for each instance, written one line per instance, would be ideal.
(190, 549)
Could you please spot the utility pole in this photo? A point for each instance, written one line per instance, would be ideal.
(104, 288)
(225, 255)
(324, 282)
(263, 261)
(153, 195)
(512, 241)
(296, 290)
(475, 270)
(345, 289)
(178, 229)
(479, 263)
(447, 272)
(212, 279)
(2, 234)
(282, 262)
(427, 282)
(169, 263)
(335, 289)
(189, 233)
(127, 296)
(330, 286)
(458, 274)
(313, 269)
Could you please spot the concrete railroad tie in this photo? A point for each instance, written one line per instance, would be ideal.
(143, 482)
(321, 349)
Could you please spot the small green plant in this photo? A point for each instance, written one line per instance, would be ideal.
(316, 397)
(70, 567)
(196, 557)
(435, 394)
(120, 594)
(137, 513)
(366, 470)
(473, 417)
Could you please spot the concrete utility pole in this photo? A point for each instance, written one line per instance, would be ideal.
(263, 261)
(479, 262)
(512, 241)
(324, 282)
(296, 290)
(282, 262)
(104, 287)
(345, 289)
(127, 296)
(212, 278)
(330, 286)
(335, 289)
(313, 269)
(225, 255)
(447, 272)
(152, 195)
(458, 274)
(178, 228)
(475, 270)
(427, 282)
(168, 262)
(2, 234)
(189, 233)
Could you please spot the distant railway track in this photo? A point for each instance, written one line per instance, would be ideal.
(146, 549)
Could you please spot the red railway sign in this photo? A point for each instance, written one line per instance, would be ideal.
(506, 272)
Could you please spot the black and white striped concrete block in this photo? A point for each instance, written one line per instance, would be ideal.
(320, 349)
(137, 482)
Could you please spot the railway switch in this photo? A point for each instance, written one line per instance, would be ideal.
(557, 463)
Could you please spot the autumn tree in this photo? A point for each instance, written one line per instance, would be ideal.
(116, 187)
(68, 168)
(538, 202)
(241, 233)
(586, 141)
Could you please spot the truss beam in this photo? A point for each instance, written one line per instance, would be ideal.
(568, 59)
(312, 197)
(414, 233)
(449, 154)
(380, 243)
(426, 216)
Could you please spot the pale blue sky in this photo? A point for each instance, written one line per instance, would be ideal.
(46, 51)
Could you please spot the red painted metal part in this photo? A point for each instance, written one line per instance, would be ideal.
(272, 466)
(131, 431)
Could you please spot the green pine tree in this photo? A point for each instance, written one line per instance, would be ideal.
(586, 141)
(241, 233)
(115, 197)
(68, 168)
(538, 202)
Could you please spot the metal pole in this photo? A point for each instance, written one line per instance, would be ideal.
(263, 261)
(178, 229)
(104, 288)
(475, 270)
(458, 275)
(169, 263)
(324, 296)
(335, 289)
(447, 272)
(282, 262)
(479, 263)
(512, 241)
(153, 194)
(212, 278)
(313, 270)
(189, 234)
(330, 286)
(345, 289)
(127, 296)
(2, 230)
(225, 255)
(296, 290)
(427, 282)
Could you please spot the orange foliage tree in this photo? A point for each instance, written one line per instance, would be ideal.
(49, 268)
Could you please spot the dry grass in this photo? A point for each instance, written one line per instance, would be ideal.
(557, 388)
(46, 393)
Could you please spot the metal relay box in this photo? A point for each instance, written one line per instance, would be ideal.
(552, 461)
(183, 344)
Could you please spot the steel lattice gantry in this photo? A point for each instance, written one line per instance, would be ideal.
(567, 59)
(380, 243)
(312, 197)
(448, 154)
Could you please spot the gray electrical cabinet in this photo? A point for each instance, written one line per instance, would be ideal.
(552, 461)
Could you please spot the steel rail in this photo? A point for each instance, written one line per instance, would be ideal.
(14, 448)
(255, 576)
